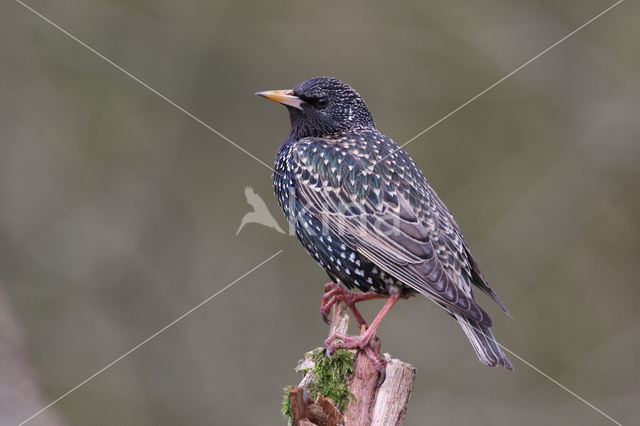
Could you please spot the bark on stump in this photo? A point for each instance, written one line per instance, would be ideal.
(370, 405)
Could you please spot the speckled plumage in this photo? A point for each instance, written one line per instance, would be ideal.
(366, 213)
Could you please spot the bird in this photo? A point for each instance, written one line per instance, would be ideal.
(365, 212)
(260, 213)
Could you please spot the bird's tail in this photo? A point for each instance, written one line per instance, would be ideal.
(484, 343)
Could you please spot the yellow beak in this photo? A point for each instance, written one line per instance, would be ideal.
(284, 97)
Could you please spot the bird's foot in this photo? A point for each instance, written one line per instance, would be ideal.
(368, 343)
(333, 294)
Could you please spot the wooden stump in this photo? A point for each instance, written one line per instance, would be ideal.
(370, 405)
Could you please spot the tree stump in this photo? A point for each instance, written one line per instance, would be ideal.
(363, 404)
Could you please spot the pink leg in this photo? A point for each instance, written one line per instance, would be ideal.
(334, 294)
(363, 342)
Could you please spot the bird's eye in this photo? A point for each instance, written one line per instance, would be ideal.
(322, 102)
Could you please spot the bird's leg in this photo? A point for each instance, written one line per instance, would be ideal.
(360, 342)
(333, 294)
(363, 342)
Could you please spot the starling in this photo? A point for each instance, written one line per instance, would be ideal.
(366, 213)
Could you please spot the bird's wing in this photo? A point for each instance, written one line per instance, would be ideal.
(372, 213)
(459, 260)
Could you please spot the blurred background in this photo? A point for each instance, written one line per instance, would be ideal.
(118, 212)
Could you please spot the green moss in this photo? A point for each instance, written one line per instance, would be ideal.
(332, 375)
(331, 379)
(286, 405)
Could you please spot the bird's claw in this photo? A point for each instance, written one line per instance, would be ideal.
(330, 341)
(332, 294)
(383, 376)
(370, 347)
(378, 361)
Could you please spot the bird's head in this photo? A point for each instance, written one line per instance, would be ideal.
(322, 106)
